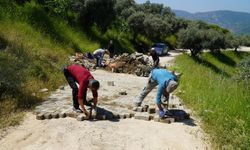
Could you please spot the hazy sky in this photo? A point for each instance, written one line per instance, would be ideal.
(204, 5)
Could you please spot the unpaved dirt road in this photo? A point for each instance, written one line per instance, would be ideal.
(124, 134)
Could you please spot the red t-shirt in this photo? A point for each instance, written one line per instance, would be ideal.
(82, 77)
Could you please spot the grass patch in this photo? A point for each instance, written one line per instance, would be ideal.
(33, 47)
(209, 88)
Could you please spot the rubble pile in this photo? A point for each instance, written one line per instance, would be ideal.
(135, 63)
(80, 59)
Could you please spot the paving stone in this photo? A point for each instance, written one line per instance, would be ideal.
(127, 115)
(139, 109)
(142, 116)
(134, 109)
(123, 92)
(151, 117)
(167, 120)
(111, 83)
(47, 115)
(132, 114)
(157, 111)
(62, 115)
(55, 115)
(156, 118)
(145, 108)
(93, 114)
(40, 116)
(116, 115)
(151, 110)
(72, 114)
(122, 116)
(80, 117)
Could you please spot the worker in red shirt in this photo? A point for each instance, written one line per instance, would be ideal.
(78, 74)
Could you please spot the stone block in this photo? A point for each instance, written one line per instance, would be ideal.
(167, 120)
(116, 115)
(47, 116)
(127, 115)
(62, 115)
(145, 108)
(80, 117)
(72, 114)
(134, 109)
(151, 110)
(55, 115)
(139, 109)
(157, 111)
(151, 117)
(156, 118)
(142, 116)
(123, 92)
(40, 116)
(122, 116)
(132, 114)
(111, 83)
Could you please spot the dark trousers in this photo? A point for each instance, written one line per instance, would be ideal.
(72, 84)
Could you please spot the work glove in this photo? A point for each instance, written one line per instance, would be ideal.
(161, 113)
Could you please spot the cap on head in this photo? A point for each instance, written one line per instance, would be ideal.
(94, 84)
(171, 86)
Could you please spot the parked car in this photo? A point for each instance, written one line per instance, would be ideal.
(160, 48)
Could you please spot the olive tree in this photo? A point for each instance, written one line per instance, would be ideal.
(191, 38)
(156, 27)
(124, 8)
(100, 12)
(135, 22)
(214, 40)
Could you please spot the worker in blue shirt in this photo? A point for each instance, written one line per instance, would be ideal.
(167, 83)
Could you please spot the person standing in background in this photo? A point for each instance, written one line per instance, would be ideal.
(111, 49)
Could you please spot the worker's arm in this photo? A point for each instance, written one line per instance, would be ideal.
(156, 63)
(82, 94)
(95, 96)
(80, 101)
(160, 90)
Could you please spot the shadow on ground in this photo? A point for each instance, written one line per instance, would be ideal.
(182, 116)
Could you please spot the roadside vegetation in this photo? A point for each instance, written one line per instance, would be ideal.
(217, 88)
(37, 36)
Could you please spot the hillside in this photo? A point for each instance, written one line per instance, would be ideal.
(237, 22)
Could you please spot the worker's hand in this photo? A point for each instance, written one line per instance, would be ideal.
(161, 113)
(93, 113)
(87, 114)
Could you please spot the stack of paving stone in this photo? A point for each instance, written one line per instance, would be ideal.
(150, 113)
(59, 105)
(103, 113)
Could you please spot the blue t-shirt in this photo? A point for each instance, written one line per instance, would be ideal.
(161, 76)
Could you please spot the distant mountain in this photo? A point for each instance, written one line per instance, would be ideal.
(237, 22)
